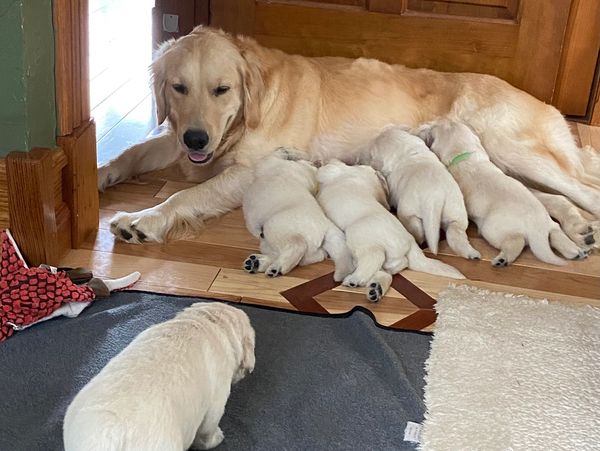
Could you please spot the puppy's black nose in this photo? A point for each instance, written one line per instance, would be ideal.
(195, 139)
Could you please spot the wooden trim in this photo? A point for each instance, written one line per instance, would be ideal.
(40, 219)
(71, 64)
(578, 62)
(4, 215)
(79, 181)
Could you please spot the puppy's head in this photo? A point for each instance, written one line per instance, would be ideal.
(236, 326)
(330, 172)
(209, 85)
(447, 137)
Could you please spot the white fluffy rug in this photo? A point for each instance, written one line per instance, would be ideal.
(512, 373)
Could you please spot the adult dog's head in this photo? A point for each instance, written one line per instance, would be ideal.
(209, 85)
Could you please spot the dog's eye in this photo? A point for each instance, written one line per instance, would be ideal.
(220, 90)
(181, 89)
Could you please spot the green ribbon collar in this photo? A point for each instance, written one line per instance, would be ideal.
(460, 157)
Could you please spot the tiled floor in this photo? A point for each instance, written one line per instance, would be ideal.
(210, 265)
(120, 53)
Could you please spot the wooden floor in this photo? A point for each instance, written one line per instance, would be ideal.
(210, 265)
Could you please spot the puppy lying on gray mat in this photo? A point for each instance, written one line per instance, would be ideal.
(167, 390)
(507, 214)
(280, 209)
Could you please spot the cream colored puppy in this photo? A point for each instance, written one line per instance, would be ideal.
(354, 198)
(281, 210)
(421, 189)
(167, 390)
(507, 214)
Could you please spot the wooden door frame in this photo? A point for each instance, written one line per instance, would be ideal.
(52, 192)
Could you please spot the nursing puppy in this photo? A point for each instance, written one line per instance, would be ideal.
(280, 209)
(167, 390)
(355, 200)
(507, 214)
(421, 189)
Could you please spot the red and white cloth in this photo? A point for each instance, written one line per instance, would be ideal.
(29, 295)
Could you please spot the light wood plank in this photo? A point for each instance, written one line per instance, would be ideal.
(178, 277)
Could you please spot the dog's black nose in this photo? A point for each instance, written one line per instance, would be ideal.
(195, 139)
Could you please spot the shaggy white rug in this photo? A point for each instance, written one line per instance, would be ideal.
(512, 373)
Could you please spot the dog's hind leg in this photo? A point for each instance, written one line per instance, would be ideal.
(368, 261)
(414, 225)
(209, 435)
(335, 245)
(561, 242)
(457, 239)
(290, 252)
(315, 257)
(510, 248)
(577, 228)
(378, 286)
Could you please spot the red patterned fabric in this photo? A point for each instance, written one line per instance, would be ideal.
(30, 294)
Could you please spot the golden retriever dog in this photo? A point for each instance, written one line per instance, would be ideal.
(167, 390)
(230, 101)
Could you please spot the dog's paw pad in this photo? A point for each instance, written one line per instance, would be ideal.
(274, 272)
(251, 264)
(582, 255)
(125, 235)
(499, 262)
(375, 292)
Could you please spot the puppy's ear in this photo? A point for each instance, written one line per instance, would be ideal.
(425, 132)
(248, 358)
(253, 83)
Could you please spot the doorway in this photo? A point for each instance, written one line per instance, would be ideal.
(120, 36)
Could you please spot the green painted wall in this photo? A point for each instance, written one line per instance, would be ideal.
(27, 105)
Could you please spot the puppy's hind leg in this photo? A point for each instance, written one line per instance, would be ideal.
(335, 245)
(318, 256)
(561, 242)
(209, 435)
(291, 252)
(510, 248)
(457, 239)
(414, 225)
(378, 286)
(368, 260)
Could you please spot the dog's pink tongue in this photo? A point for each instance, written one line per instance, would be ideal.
(198, 157)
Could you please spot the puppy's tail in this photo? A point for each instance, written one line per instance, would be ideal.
(432, 218)
(417, 261)
(540, 247)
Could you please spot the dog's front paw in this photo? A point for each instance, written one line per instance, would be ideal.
(499, 261)
(148, 225)
(353, 281)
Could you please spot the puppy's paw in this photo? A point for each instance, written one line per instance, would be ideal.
(143, 226)
(374, 292)
(580, 231)
(208, 442)
(582, 254)
(353, 281)
(499, 261)
(251, 264)
(274, 271)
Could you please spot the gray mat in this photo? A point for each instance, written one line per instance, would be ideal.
(335, 383)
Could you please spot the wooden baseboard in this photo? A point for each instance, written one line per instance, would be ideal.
(40, 220)
(80, 180)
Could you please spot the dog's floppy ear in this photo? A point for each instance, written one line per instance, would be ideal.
(159, 82)
(425, 132)
(248, 358)
(253, 82)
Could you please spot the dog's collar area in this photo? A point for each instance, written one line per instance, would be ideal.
(460, 157)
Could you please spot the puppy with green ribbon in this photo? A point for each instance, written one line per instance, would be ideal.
(507, 214)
